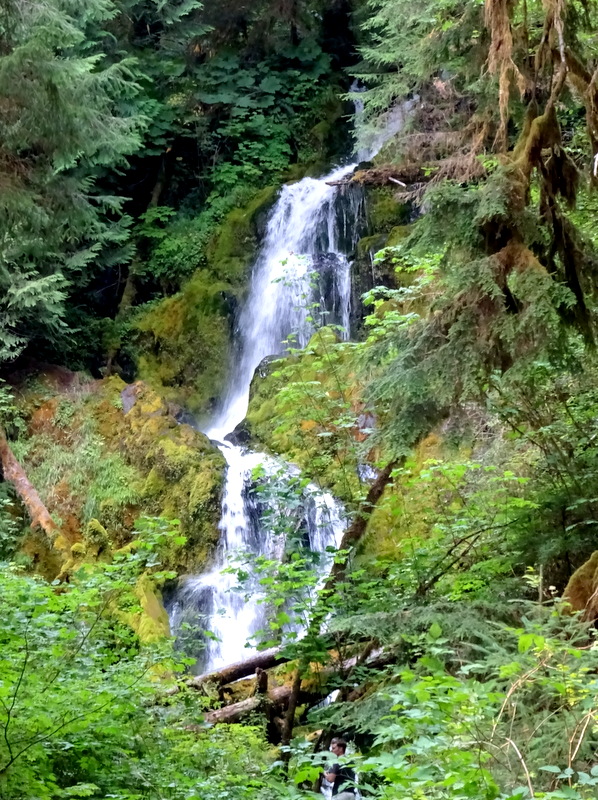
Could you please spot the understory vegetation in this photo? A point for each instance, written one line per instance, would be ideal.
(142, 145)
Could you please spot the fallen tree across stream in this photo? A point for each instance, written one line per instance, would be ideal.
(241, 669)
(312, 689)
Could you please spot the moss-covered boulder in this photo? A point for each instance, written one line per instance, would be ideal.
(183, 342)
(149, 620)
(182, 472)
(102, 454)
(309, 409)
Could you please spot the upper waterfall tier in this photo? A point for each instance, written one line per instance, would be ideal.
(305, 227)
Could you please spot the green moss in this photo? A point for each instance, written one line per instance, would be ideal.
(370, 245)
(183, 342)
(397, 235)
(184, 346)
(96, 535)
(150, 623)
(384, 210)
(232, 247)
(78, 476)
(107, 468)
(293, 408)
(183, 475)
(154, 485)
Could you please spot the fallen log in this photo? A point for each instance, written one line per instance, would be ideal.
(403, 175)
(234, 712)
(278, 697)
(309, 691)
(241, 669)
(14, 473)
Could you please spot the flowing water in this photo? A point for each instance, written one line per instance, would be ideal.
(303, 260)
(309, 233)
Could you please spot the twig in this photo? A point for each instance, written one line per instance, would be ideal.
(524, 765)
(588, 717)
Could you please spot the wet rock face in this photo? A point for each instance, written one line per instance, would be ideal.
(240, 437)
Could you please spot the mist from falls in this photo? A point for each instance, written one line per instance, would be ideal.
(303, 260)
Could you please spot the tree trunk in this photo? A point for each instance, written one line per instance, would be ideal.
(14, 473)
(289, 720)
(356, 530)
(280, 698)
(241, 669)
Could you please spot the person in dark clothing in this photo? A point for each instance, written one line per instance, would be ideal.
(341, 776)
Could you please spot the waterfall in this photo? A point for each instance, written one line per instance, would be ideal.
(307, 232)
(310, 230)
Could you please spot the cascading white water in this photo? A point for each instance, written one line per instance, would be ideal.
(306, 233)
(304, 227)
(230, 613)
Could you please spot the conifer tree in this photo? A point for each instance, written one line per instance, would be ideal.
(66, 114)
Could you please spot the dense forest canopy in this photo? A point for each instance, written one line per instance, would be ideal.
(143, 144)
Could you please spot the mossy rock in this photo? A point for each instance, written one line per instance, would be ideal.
(183, 342)
(121, 456)
(150, 622)
(397, 235)
(231, 249)
(183, 472)
(284, 417)
(368, 246)
(384, 210)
